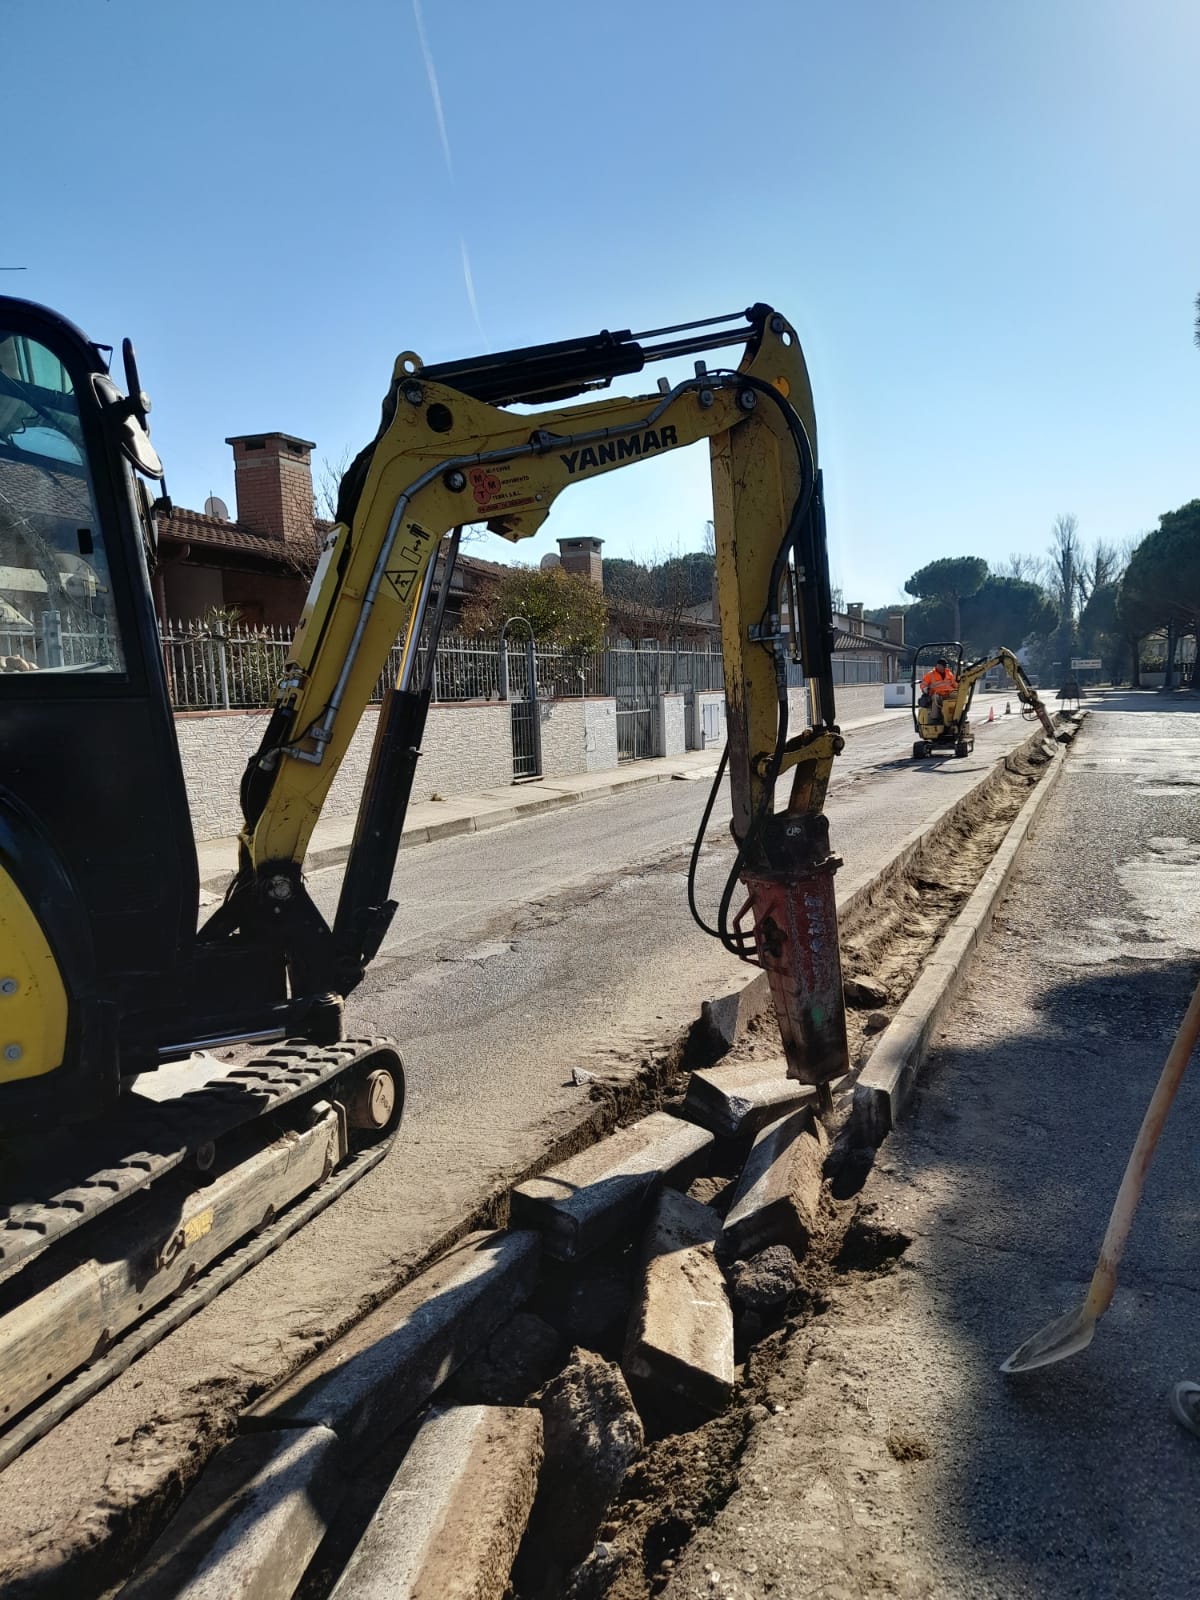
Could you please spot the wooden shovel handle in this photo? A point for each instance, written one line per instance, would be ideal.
(1104, 1279)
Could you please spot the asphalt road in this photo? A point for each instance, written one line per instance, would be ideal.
(516, 954)
(900, 1461)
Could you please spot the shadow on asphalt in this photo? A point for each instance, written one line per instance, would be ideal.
(1141, 700)
(1072, 1480)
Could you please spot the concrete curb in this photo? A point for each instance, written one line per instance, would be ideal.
(738, 1099)
(779, 1190)
(886, 1083)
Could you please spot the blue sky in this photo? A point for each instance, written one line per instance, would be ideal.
(981, 217)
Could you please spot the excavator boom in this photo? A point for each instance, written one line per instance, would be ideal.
(446, 455)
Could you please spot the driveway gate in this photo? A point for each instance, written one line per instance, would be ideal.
(518, 684)
(635, 687)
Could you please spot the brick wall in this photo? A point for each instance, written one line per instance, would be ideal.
(600, 723)
(272, 478)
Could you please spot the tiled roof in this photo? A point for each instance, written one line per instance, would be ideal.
(192, 527)
(46, 487)
(845, 641)
(195, 528)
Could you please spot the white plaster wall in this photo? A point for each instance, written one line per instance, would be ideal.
(854, 700)
(707, 697)
(564, 738)
(466, 748)
(672, 737)
(600, 722)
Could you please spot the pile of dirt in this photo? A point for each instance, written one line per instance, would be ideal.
(889, 936)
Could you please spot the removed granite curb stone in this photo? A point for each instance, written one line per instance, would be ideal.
(779, 1191)
(887, 1081)
(680, 1338)
(384, 1368)
(251, 1524)
(593, 1435)
(737, 1100)
(451, 1520)
(585, 1201)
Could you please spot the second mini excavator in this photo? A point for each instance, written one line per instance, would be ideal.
(118, 1200)
(942, 722)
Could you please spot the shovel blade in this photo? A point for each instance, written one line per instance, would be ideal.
(1065, 1336)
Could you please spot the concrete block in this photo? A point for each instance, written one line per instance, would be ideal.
(386, 1367)
(249, 1528)
(582, 1203)
(726, 1015)
(681, 1333)
(779, 1191)
(737, 1100)
(452, 1518)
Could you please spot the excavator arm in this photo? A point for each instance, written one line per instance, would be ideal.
(1026, 693)
(450, 452)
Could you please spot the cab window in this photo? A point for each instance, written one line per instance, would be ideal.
(57, 610)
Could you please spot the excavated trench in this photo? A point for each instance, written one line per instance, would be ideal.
(683, 1476)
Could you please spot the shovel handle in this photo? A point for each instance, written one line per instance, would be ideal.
(1104, 1279)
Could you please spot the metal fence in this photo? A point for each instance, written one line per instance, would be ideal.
(219, 668)
(59, 640)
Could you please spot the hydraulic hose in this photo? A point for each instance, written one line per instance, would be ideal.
(800, 510)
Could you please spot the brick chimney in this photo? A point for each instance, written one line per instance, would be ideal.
(582, 557)
(272, 476)
(895, 627)
(855, 613)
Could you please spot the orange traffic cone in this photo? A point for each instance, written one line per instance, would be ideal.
(991, 713)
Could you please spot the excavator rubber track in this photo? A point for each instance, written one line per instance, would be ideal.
(150, 1139)
(96, 1271)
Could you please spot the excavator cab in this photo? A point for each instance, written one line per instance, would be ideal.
(942, 722)
(98, 877)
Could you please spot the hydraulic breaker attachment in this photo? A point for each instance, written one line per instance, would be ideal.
(788, 877)
(796, 940)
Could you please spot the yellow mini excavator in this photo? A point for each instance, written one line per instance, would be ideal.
(123, 1208)
(943, 721)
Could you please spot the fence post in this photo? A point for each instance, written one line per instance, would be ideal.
(222, 664)
(52, 642)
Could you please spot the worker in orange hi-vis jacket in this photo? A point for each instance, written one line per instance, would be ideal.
(939, 682)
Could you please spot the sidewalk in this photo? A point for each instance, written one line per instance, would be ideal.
(891, 1456)
(492, 808)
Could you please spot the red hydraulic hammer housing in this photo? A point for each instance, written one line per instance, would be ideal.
(791, 904)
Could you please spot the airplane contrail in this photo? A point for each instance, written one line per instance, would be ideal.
(431, 74)
(470, 283)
